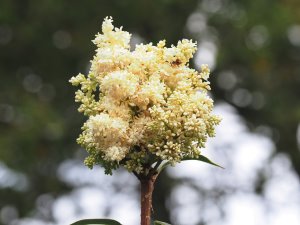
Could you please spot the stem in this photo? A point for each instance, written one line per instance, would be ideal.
(147, 186)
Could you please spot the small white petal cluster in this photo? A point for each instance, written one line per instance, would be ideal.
(143, 106)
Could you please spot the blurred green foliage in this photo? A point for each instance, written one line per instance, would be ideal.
(44, 43)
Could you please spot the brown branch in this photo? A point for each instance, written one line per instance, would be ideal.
(147, 187)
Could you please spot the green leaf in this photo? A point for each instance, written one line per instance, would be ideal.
(160, 223)
(96, 222)
(202, 158)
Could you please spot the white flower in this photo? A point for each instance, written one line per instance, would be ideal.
(144, 105)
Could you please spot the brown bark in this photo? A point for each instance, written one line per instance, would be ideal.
(147, 186)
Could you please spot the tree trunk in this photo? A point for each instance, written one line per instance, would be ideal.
(147, 186)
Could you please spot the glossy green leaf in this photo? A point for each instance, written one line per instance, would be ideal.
(96, 222)
(202, 158)
(160, 223)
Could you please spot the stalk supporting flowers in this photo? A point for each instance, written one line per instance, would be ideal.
(146, 108)
(147, 187)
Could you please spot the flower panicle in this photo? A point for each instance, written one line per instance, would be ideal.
(144, 105)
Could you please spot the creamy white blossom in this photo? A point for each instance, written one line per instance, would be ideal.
(143, 106)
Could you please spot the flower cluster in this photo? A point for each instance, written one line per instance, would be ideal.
(143, 106)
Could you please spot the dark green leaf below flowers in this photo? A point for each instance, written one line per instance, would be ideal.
(201, 158)
(96, 222)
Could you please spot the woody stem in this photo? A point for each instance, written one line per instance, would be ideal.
(147, 186)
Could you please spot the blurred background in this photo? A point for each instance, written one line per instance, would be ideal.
(253, 49)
